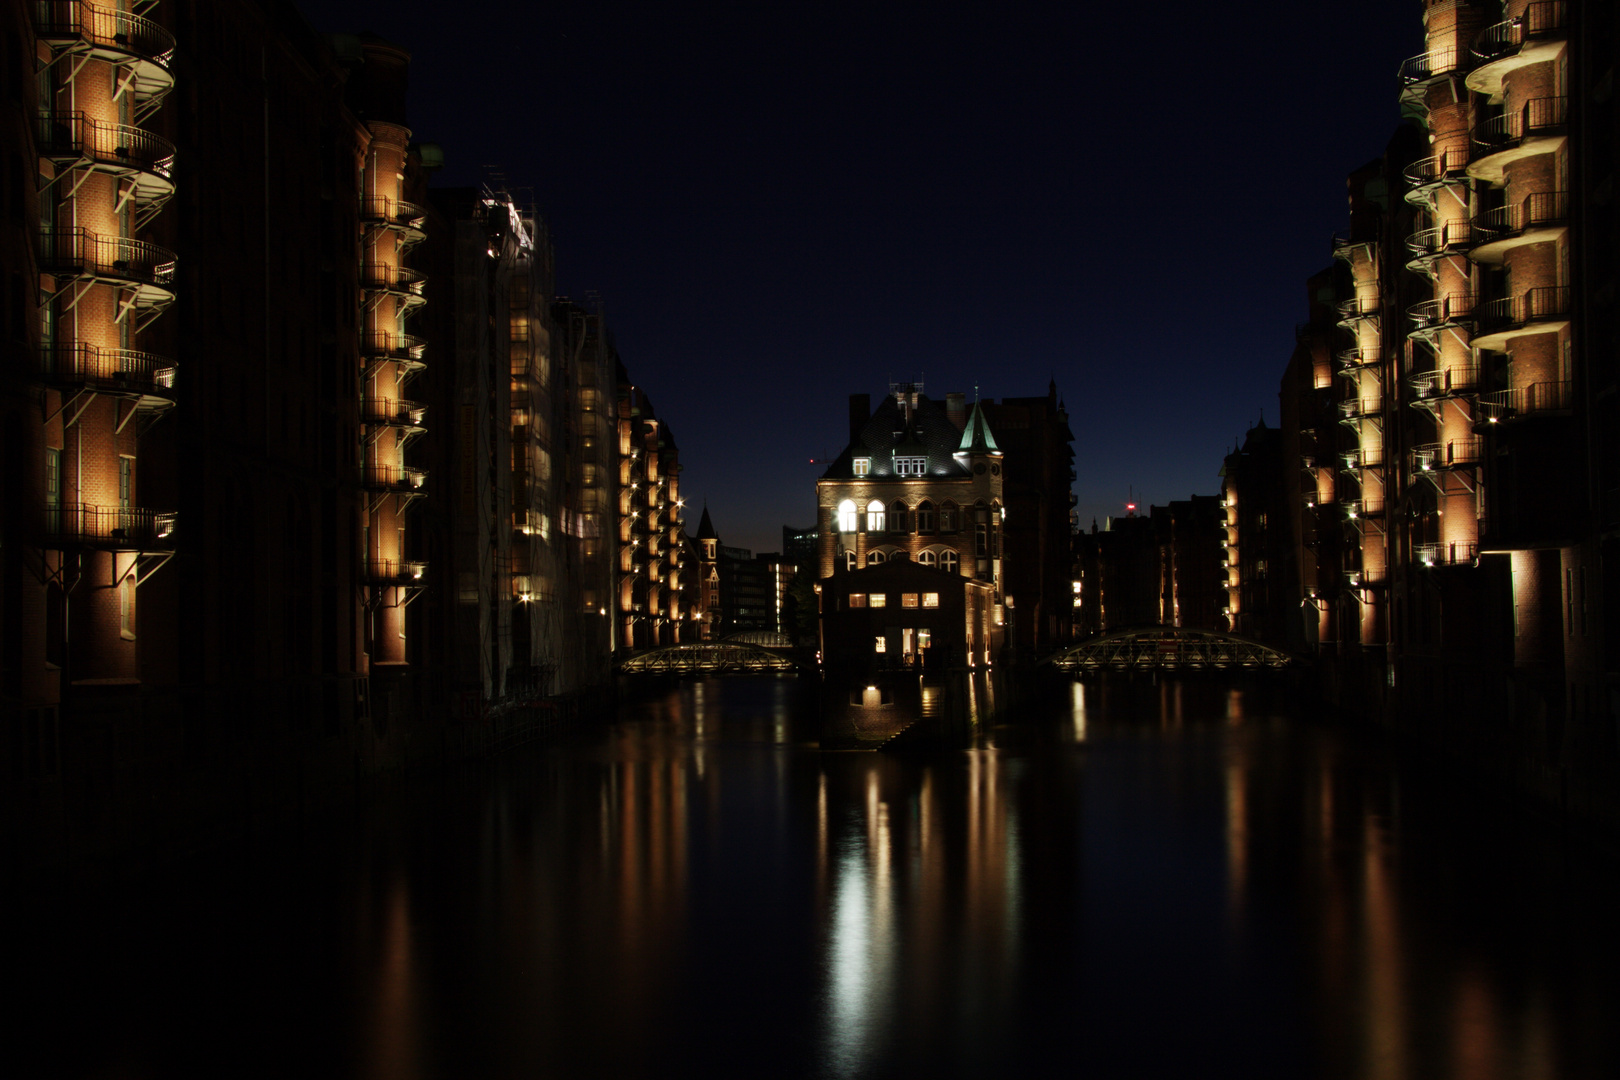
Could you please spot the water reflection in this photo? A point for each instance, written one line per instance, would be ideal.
(1178, 878)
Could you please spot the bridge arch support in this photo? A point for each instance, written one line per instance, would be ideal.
(1162, 648)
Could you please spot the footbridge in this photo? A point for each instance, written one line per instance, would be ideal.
(1164, 648)
(708, 658)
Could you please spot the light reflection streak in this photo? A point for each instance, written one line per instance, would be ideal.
(1077, 698)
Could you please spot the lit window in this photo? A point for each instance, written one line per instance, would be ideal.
(879, 599)
(873, 558)
(857, 599)
(908, 599)
(874, 516)
(849, 560)
(846, 516)
(925, 638)
(911, 466)
(948, 561)
(930, 599)
(882, 644)
(863, 466)
(927, 558)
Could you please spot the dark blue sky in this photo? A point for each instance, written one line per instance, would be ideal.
(783, 204)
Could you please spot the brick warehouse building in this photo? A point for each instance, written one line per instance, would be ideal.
(234, 391)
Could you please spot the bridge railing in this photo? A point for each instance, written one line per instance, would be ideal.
(1167, 649)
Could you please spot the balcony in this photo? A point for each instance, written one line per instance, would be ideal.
(1531, 38)
(1456, 454)
(1500, 406)
(403, 217)
(1364, 578)
(113, 260)
(1438, 385)
(1423, 67)
(113, 371)
(394, 412)
(1354, 409)
(1354, 310)
(394, 572)
(1424, 176)
(1433, 316)
(1536, 219)
(1364, 457)
(1536, 127)
(109, 528)
(1359, 355)
(400, 282)
(72, 140)
(1535, 311)
(137, 44)
(1364, 508)
(403, 348)
(1450, 553)
(393, 479)
(1430, 245)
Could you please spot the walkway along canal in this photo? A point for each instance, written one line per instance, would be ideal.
(1121, 877)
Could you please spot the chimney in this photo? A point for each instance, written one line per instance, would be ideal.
(860, 411)
(956, 409)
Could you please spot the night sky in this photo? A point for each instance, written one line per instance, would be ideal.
(785, 203)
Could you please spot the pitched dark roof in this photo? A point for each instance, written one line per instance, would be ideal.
(930, 434)
(706, 527)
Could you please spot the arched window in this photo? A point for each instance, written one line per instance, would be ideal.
(925, 518)
(949, 522)
(849, 560)
(897, 517)
(948, 561)
(873, 558)
(927, 558)
(846, 516)
(874, 516)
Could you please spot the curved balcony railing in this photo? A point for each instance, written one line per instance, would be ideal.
(1450, 553)
(1363, 457)
(389, 346)
(1546, 303)
(395, 572)
(1537, 117)
(1360, 355)
(79, 251)
(1540, 210)
(1357, 308)
(114, 370)
(1533, 398)
(1451, 382)
(1430, 65)
(401, 280)
(393, 478)
(396, 412)
(1444, 311)
(1539, 21)
(1458, 453)
(120, 528)
(73, 135)
(1364, 508)
(383, 210)
(1364, 578)
(1357, 408)
(1445, 167)
(117, 32)
(1454, 236)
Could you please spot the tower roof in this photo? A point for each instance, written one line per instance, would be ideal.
(706, 527)
(976, 437)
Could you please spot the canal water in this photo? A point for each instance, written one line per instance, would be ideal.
(1127, 878)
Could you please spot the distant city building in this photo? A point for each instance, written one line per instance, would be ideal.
(653, 608)
(1261, 602)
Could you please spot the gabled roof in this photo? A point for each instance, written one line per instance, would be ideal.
(886, 434)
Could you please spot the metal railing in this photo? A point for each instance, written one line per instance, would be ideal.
(1354, 408)
(114, 31)
(1360, 579)
(1452, 236)
(1447, 165)
(392, 346)
(76, 363)
(393, 478)
(1360, 508)
(1538, 116)
(391, 211)
(392, 411)
(123, 528)
(395, 571)
(1539, 20)
(82, 251)
(1536, 211)
(1541, 304)
(1357, 355)
(1532, 398)
(399, 279)
(1365, 457)
(1428, 457)
(1428, 65)
(1458, 307)
(1450, 553)
(1358, 307)
(1462, 379)
(73, 134)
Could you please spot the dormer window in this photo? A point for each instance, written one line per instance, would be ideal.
(911, 466)
(863, 466)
